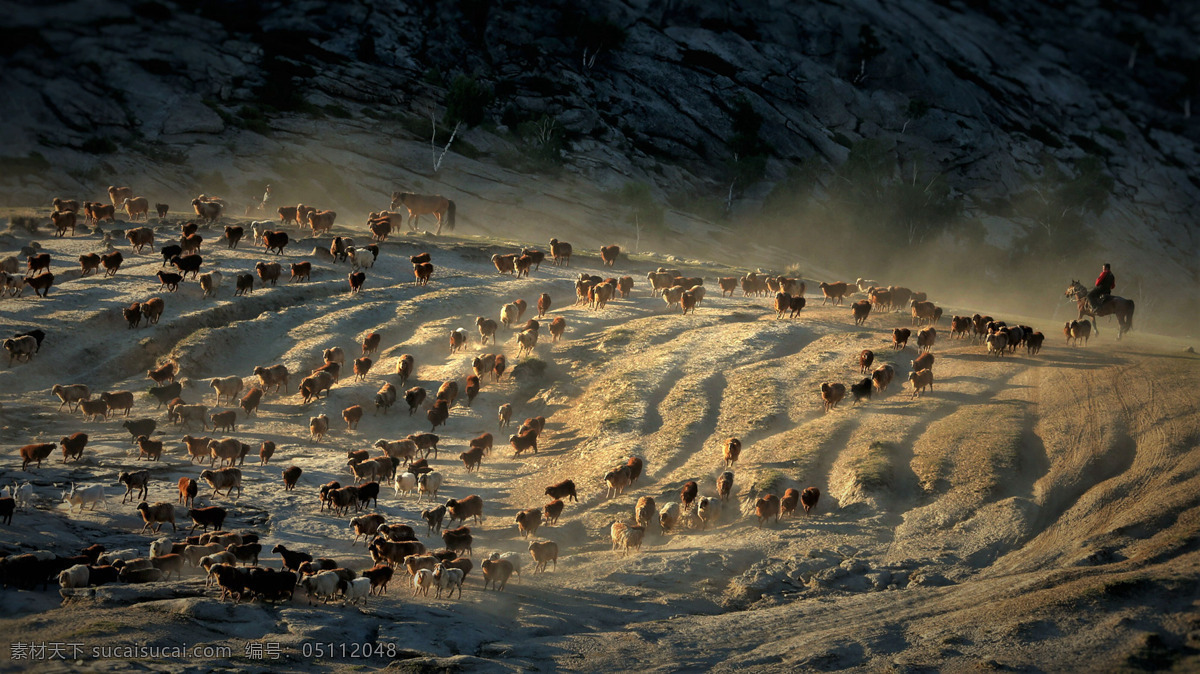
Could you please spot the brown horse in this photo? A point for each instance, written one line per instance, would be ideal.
(1118, 306)
(420, 204)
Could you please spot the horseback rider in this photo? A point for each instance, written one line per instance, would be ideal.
(1105, 283)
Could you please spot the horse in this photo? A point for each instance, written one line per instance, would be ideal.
(420, 204)
(1118, 306)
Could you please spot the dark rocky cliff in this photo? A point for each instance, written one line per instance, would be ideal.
(1030, 131)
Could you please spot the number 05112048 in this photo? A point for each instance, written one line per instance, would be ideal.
(333, 649)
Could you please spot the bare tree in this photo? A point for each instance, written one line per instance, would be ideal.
(437, 158)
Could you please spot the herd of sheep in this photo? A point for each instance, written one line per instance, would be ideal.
(407, 463)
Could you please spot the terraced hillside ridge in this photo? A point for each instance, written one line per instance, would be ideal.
(1032, 512)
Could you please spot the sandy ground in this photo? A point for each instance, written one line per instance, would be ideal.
(1031, 513)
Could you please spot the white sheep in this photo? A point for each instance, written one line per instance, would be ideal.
(422, 581)
(108, 558)
(360, 258)
(335, 355)
(512, 558)
(356, 590)
(322, 584)
(509, 314)
(162, 546)
(23, 494)
(75, 576)
(92, 494)
(405, 482)
(429, 483)
(668, 517)
(448, 579)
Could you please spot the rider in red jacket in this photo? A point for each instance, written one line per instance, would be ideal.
(1105, 283)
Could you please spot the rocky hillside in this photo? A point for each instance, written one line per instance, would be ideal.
(1022, 133)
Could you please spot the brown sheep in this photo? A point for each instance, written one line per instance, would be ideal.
(472, 458)
(466, 508)
(36, 264)
(809, 498)
(733, 450)
(553, 510)
(724, 486)
(35, 452)
(88, 264)
(472, 388)
(557, 327)
(564, 489)
(187, 491)
(404, 367)
(608, 255)
(362, 366)
(140, 238)
(861, 310)
(635, 465)
(356, 279)
(157, 514)
(501, 365)
(291, 475)
(370, 343)
(560, 252)
(138, 208)
(544, 552)
(249, 402)
(275, 241)
(881, 298)
(414, 397)
(153, 308)
(523, 441)
(423, 272)
(528, 521)
(900, 338)
(920, 379)
(766, 507)
(926, 338)
(352, 415)
(504, 263)
(448, 391)
(537, 256)
(133, 315)
(617, 480)
(320, 221)
(782, 302)
(487, 328)
(111, 262)
(924, 362)
(93, 409)
(72, 446)
(226, 421)
(209, 211)
(834, 291)
(882, 376)
(960, 326)
(265, 452)
(787, 505)
(438, 414)
(865, 358)
(118, 401)
(151, 449)
(832, 394)
(40, 284)
(301, 271)
(268, 272)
